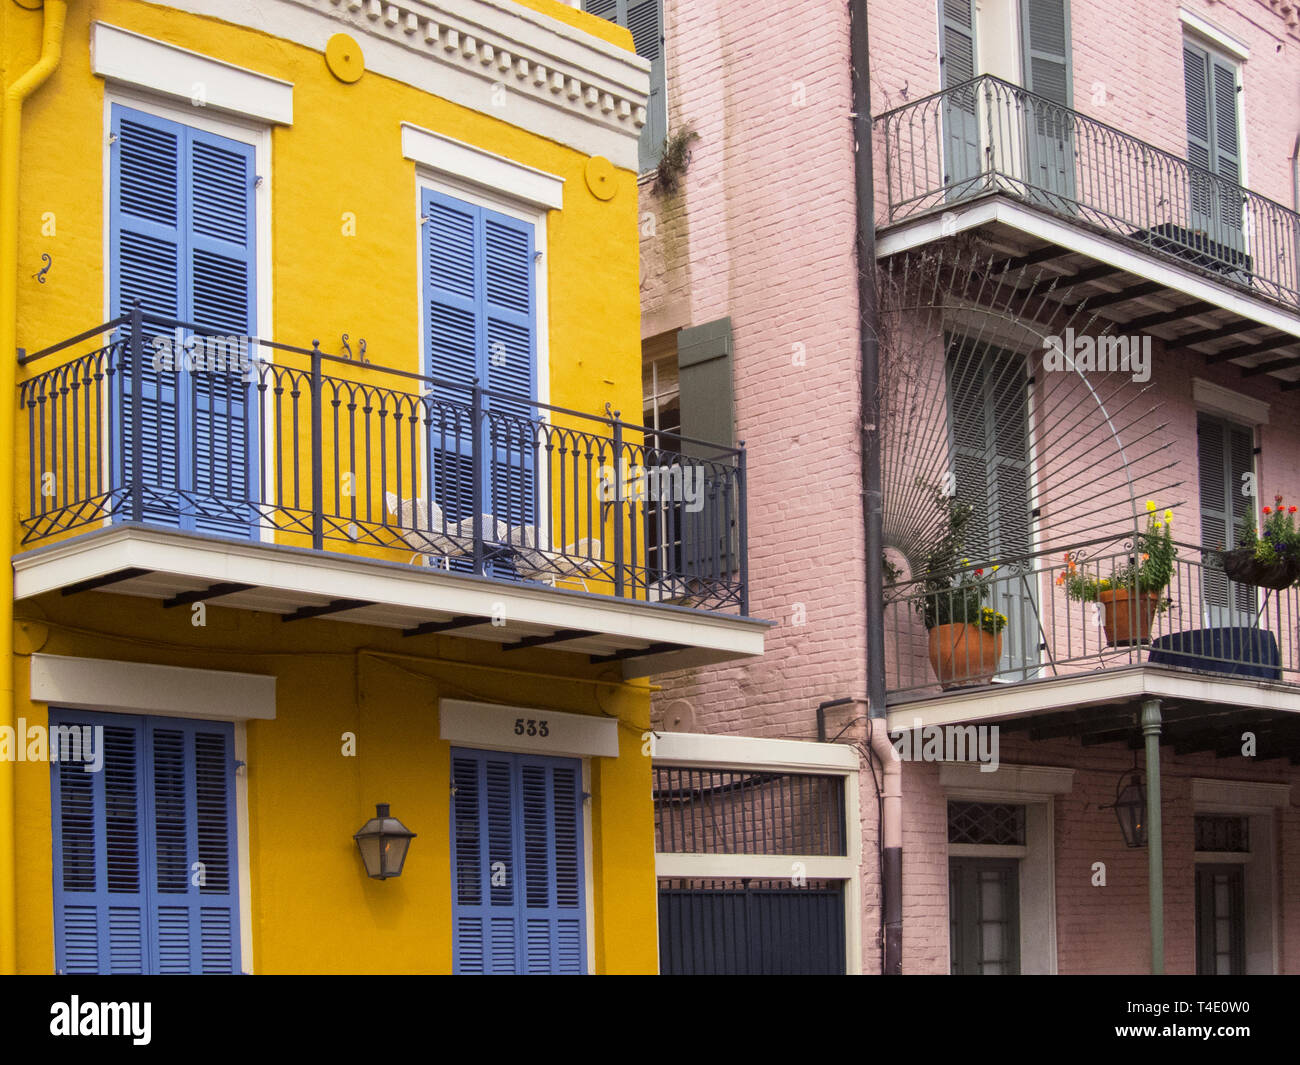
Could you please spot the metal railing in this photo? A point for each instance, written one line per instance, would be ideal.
(989, 136)
(1201, 621)
(165, 423)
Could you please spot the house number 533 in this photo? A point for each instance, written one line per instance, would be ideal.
(529, 727)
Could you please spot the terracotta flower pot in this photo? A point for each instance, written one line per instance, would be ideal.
(1127, 615)
(963, 654)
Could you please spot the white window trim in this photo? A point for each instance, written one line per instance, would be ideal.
(1211, 34)
(116, 687)
(495, 174)
(120, 56)
(1215, 399)
(148, 690)
(256, 134)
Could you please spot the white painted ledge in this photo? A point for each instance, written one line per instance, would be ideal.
(141, 688)
(1211, 795)
(743, 752)
(494, 173)
(127, 58)
(492, 726)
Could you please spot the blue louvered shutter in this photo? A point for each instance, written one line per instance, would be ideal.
(453, 297)
(220, 241)
(146, 251)
(518, 903)
(553, 916)
(191, 818)
(485, 920)
(511, 366)
(100, 907)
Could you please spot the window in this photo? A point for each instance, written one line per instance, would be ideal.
(1225, 833)
(984, 916)
(994, 824)
(145, 877)
(182, 226)
(518, 903)
(1220, 920)
(480, 314)
(645, 20)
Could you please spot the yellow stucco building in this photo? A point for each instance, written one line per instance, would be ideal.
(321, 495)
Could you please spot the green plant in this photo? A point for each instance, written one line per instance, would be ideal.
(674, 158)
(1149, 568)
(1279, 540)
(953, 592)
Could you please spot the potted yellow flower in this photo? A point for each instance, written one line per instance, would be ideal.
(1130, 597)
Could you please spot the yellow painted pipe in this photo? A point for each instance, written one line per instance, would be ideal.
(55, 11)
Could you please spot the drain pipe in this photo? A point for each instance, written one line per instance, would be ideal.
(55, 12)
(891, 888)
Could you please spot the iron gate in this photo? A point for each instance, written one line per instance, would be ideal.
(751, 927)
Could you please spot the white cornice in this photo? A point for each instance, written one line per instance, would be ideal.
(558, 82)
(1214, 795)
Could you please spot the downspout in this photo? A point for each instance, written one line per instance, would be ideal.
(891, 887)
(55, 11)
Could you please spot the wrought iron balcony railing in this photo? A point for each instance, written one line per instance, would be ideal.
(989, 136)
(160, 422)
(1201, 621)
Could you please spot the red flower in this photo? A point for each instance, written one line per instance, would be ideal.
(1277, 499)
(979, 573)
(1268, 510)
(1290, 510)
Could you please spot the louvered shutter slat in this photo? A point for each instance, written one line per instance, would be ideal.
(956, 67)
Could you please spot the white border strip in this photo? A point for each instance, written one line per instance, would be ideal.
(1212, 397)
(495, 173)
(131, 59)
(1210, 794)
(491, 726)
(142, 688)
(743, 752)
(1212, 33)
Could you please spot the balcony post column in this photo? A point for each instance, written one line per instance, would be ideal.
(1155, 843)
(619, 568)
(317, 444)
(480, 471)
(135, 355)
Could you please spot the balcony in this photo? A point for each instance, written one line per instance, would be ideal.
(1224, 655)
(1127, 229)
(167, 461)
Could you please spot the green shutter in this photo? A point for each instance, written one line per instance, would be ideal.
(1225, 455)
(1045, 37)
(1213, 141)
(704, 380)
(1045, 62)
(645, 20)
(956, 67)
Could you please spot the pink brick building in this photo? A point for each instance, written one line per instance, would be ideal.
(1127, 171)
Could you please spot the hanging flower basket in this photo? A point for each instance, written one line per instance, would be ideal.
(1241, 565)
(1127, 615)
(963, 654)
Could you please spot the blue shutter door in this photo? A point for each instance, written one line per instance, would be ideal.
(182, 240)
(508, 299)
(101, 920)
(192, 816)
(128, 896)
(146, 237)
(518, 903)
(452, 293)
(220, 241)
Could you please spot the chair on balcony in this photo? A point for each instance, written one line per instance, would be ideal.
(532, 562)
(422, 526)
